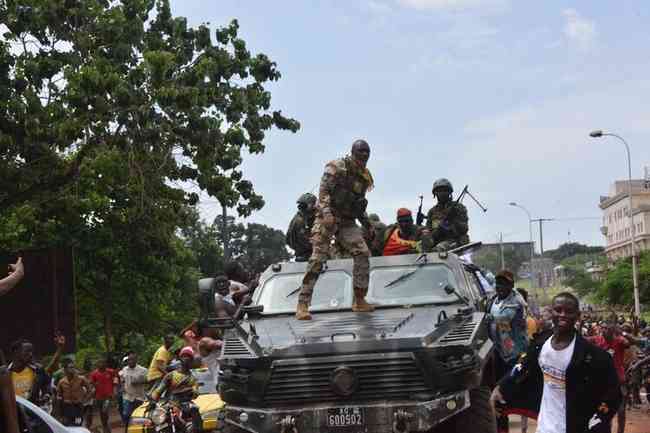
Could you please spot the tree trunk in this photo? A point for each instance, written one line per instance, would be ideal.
(108, 313)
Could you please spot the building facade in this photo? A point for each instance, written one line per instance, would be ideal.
(616, 220)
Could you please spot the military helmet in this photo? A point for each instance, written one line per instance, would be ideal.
(442, 183)
(306, 199)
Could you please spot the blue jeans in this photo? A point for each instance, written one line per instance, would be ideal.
(127, 409)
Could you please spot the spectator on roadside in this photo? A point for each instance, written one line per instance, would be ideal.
(134, 378)
(72, 391)
(507, 329)
(56, 377)
(89, 402)
(32, 381)
(570, 383)
(160, 361)
(614, 344)
(103, 379)
(210, 350)
(16, 273)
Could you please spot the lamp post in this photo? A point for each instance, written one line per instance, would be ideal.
(532, 247)
(635, 275)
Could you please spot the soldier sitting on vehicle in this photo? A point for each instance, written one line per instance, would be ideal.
(299, 231)
(447, 221)
(402, 237)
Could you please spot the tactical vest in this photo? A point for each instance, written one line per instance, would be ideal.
(349, 192)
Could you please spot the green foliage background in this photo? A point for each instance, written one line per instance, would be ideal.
(113, 115)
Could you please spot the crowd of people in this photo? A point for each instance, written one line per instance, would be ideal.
(572, 370)
(75, 393)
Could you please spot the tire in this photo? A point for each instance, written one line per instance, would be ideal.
(477, 418)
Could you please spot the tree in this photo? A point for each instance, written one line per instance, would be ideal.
(618, 287)
(570, 249)
(79, 75)
(105, 114)
(256, 246)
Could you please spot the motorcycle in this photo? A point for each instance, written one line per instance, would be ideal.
(174, 416)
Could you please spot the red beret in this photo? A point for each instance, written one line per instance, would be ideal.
(403, 212)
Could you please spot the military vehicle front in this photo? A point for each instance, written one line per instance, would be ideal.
(417, 363)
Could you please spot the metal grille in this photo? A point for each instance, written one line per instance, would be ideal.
(236, 348)
(380, 376)
(459, 334)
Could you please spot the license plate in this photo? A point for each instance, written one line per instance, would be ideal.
(345, 417)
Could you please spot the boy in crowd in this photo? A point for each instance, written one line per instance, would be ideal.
(72, 390)
(570, 383)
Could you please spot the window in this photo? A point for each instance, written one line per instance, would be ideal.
(30, 421)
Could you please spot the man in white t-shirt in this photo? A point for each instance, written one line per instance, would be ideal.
(571, 384)
(134, 379)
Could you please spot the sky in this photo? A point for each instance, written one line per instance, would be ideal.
(499, 95)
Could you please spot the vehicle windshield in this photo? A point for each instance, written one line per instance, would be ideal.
(395, 285)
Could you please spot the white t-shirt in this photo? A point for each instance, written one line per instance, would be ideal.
(552, 413)
(134, 380)
(211, 361)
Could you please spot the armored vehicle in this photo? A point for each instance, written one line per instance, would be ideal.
(419, 362)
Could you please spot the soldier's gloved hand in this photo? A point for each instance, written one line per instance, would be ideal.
(328, 218)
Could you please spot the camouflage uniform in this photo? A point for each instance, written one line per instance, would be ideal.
(376, 245)
(298, 236)
(453, 233)
(342, 192)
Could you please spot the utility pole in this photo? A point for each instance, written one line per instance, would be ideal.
(503, 263)
(541, 253)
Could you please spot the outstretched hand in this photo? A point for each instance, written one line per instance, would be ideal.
(17, 267)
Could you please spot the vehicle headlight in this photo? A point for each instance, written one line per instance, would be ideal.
(158, 416)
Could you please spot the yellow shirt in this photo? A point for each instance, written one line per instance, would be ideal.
(23, 382)
(161, 354)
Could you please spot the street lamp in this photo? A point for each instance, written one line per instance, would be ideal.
(635, 276)
(532, 247)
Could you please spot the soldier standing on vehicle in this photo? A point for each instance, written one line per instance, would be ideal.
(300, 227)
(341, 202)
(447, 221)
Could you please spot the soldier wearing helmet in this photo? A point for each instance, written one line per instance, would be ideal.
(341, 202)
(447, 221)
(299, 230)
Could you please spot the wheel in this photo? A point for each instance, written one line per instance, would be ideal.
(477, 418)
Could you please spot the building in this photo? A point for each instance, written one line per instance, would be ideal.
(616, 221)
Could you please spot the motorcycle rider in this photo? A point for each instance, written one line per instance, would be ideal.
(181, 387)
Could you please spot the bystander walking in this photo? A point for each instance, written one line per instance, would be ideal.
(72, 391)
(134, 378)
(102, 379)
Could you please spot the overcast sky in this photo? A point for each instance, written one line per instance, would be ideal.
(497, 94)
